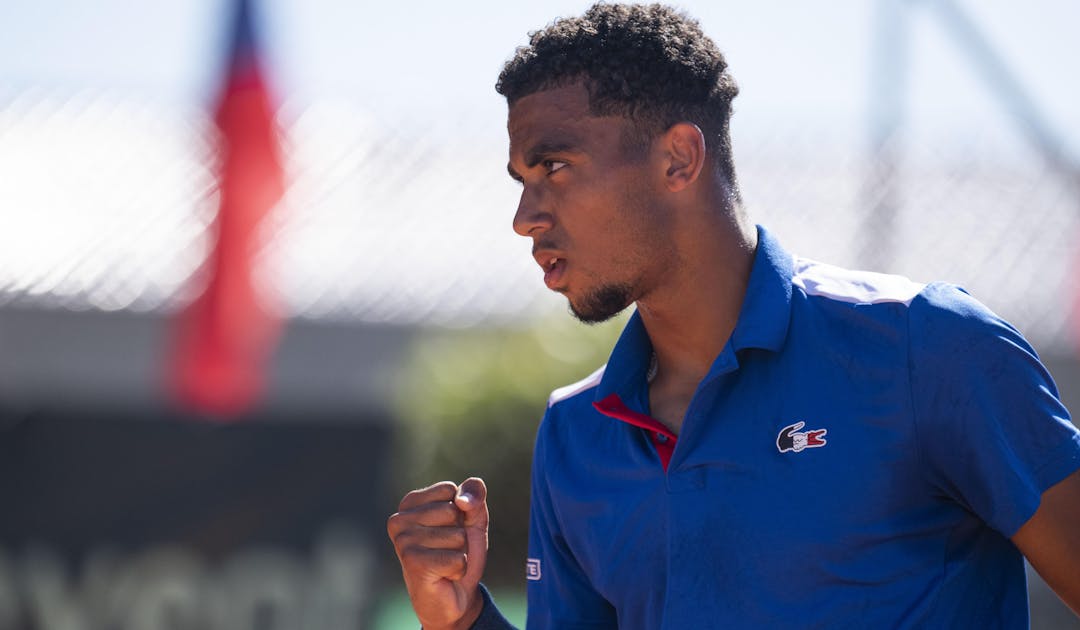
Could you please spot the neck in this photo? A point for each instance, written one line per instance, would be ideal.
(694, 308)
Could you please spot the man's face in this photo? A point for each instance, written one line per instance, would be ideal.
(589, 206)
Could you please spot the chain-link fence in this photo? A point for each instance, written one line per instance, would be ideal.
(107, 203)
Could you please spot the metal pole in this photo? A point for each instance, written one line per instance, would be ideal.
(888, 86)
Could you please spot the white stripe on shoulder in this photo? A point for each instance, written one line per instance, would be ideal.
(856, 287)
(574, 389)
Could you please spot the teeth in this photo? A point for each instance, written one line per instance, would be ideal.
(552, 262)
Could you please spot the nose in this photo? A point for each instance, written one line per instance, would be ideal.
(530, 219)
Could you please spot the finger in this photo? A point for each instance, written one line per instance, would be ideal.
(452, 538)
(442, 514)
(433, 563)
(442, 491)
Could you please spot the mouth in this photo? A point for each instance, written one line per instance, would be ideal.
(554, 268)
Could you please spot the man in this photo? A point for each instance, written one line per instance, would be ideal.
(774, 442)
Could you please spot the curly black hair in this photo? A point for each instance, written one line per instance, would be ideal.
(649, 63)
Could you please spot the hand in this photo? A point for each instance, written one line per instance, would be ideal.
(440, 534)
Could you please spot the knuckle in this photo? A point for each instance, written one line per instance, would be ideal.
(457, 562)
(434, 492)
(441, 487)
(411, 555)
(404, 540)
(408, 498)
(439, 514)
(409, 565)
(396, 524)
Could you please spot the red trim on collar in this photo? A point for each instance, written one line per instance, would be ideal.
(661, 437)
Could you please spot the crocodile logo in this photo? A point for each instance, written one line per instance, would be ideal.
(792, 439)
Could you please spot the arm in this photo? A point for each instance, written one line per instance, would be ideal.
(1051, 539)
(440, 537)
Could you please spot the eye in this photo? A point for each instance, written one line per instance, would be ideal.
(553, 165)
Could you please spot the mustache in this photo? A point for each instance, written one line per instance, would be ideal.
(544, 243)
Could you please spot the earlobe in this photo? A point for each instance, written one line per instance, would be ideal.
(684, 144)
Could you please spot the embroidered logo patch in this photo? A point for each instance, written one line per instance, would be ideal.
(532, 569)
(792, 439)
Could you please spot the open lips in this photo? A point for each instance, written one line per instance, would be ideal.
(554, 267)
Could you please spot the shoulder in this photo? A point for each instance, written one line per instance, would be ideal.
(962, 353)
(566, 415)
(855, 315)
(938, 325)
(829, 282)
(934, 309)
(944, 301)
(578, 390)
(566, 408)
(948, 323)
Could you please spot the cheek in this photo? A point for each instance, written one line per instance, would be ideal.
(603, 224)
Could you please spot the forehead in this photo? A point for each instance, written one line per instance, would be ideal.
(561, 116)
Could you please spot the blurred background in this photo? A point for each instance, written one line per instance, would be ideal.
(258, 277)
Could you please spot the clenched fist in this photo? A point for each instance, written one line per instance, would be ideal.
(440, 534)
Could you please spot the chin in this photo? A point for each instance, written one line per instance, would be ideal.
(601, 304)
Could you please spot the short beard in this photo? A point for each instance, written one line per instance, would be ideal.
(603, 304)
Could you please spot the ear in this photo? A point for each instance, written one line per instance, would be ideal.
(684, 150)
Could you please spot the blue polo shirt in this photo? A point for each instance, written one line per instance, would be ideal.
(857, 457)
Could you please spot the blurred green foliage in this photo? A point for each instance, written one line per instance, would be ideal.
(472, 400)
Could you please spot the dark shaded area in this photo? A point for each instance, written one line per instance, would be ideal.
(80, 478)
(79, 481)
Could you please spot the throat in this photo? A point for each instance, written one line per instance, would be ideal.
(670, 392)
(668, 405)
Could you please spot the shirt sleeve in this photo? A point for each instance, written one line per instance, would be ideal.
(490, 618)
(992, 430)
(560, 595)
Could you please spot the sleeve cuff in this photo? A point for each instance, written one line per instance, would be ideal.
(490, 618)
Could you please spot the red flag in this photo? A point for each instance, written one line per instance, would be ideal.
(226, 336)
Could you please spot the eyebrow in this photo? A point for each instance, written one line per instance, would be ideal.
(538, 152)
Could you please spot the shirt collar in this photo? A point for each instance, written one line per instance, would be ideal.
(763, 321)
(766, 310)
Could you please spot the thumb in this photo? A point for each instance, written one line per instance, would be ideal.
(471, 499)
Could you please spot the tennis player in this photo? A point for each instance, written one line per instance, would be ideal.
(774, 442)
